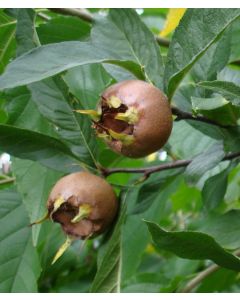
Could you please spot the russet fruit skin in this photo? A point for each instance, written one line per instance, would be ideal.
(153, 127)
(79, 189)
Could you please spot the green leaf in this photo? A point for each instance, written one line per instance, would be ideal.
(26, 35)
(51, 59)
(219, 281)
(229, 74)
(114, 42)
(208, 130)
(228, 89)
(204, 162)
(31, 145)
(22, 112)
(235, 42)
(108, 277)
(213, 60)
(19, 264)
(135, 234)
(118, 73)
(50, 94)
(214, 189)
(224, 228)
(142, 43)
(218, 109)
(206, 23)
(186, 199)
(208, 103)
(61, 29)
(7, 39)
(34, 182)
(192, 245)
(75, 130)
(148, 193)
(86, 83)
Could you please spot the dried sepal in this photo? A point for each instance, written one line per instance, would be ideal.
(57, 203)
(114, 102)
(39, 221)
(62, 249)
(130, 116)
(95, 115)
(126, 139)
(84, 212)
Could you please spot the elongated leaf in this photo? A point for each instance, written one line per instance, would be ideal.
(118, 73)
(204, 162)
(215, 132)
(142, 43)
(208, 103)
(220, 281)
(214, 190)
(223, 228)
(61, 29)
(213, 60)
(182, 131)
(51, 98)
(114, 41)
(22, 112)
(148, 193)
(7, 39)
(206, 23)
(228, 89)
(135, 235)
(74, 129)
(34, 182)
(87, 83)
(235, 47)
(26, 35)
(217, 108)
(108, 277)
(51, 59)
(31, 145)
(19, 264)
(192, 245)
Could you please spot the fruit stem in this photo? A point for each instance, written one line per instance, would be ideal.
(62, 249)
(84, 211)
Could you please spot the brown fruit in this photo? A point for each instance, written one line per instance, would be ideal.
(84, 204)
(133, 117)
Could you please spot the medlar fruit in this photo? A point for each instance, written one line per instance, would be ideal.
(84, 204)
(133, 117)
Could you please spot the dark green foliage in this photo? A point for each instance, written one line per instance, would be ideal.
(52, 65)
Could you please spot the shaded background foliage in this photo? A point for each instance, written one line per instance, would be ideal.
(173, 225)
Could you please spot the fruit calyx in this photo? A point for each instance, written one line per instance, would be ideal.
(83, 204)
(113, 121)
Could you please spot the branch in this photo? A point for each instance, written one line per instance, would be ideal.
(76, 12)
(182, 115)
(85, 15)
(150, 170)
(202, 275)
